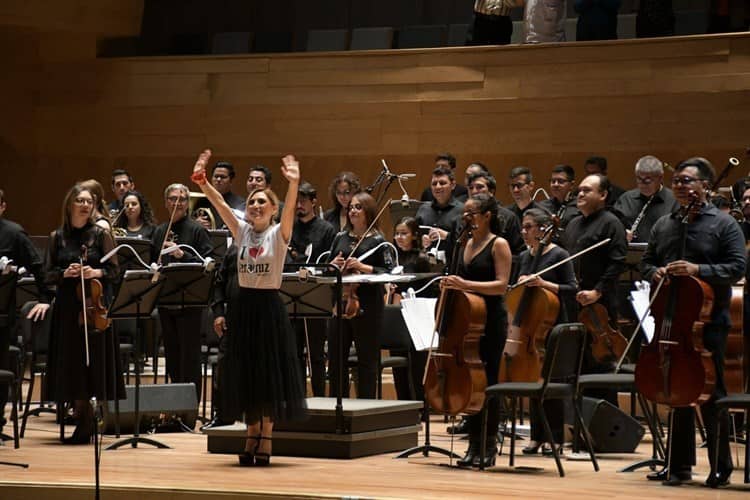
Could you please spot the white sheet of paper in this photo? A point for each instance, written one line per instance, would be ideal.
(419, 316)
(640, 297)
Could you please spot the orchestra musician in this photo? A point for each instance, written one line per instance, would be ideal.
(122, 183)
(342, 188)
(222, 176)
(364, 327)
(16, 246)
(181, 327)
(448, 161)
(510, 225)
(311, 237)
(646, 203)
(484, 269)
(68, 378)
(100, 213)
(138, 220)
(562, 282)
(443, 213)
(260, 177)
(715, 253)
(521, 186)
(598, 165)
(562, 200)
(262, 382)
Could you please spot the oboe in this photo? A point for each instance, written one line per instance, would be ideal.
(638, 219)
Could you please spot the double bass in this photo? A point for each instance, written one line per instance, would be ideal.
(455, 378)
(534, 311)
(674, 369)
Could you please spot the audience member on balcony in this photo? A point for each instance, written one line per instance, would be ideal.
(597, 19)
(491, 24)
(655, 18)
(544, 20)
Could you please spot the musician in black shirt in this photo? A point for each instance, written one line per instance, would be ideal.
(632, 205)
(181, 328)
(16, 246)
(446, 160)
(715, 253)
(521, 186)
(222, 176)
(598, 165)
(562, 197)
(443, 214)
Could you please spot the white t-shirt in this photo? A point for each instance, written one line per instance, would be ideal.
(260, 257)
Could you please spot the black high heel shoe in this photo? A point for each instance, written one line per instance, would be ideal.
(247, 458)
(532, 448)
(472, 455)
(262, 459)
(79, 436)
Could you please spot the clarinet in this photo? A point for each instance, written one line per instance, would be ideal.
(638, 219)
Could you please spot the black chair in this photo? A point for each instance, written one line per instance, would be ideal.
(421, 36)
(562, 361)
(36, 339)
(13, 381)
(372, 38)
(272, 42)
(232, 42)
(327, 40)
(457, 35)
(734, 401)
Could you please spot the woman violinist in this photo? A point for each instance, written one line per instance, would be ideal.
(714, 252)
(364, 327)
(484, 269)
(562, 282)
(342, 188)
(69, 377)
(138, 219)
(262, 381)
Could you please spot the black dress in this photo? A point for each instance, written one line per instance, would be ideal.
(492, 343)
(69, 378)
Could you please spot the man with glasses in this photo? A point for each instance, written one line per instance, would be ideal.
(646, 203)
(714, 252)
(222, 176)
(521, 186)
(562, 200)
(181, 327)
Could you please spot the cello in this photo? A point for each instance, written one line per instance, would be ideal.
(673, 369)
(455, 378)
(607, 343)
(533, 311)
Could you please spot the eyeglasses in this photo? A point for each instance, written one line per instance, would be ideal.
(553, 181)
(177, 199)
(471, 213)
(644, 180)
(528, 227)
(355, 206)
(517, 185)
(220, 177)
(257, 201)
(683, 180)
(343, 193)
(84, 201)
(256, 178)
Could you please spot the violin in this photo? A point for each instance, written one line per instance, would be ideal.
(455, 379)
(90, 294)
(534, 311)
(607, 343)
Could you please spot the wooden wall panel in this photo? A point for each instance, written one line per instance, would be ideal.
(535, 106)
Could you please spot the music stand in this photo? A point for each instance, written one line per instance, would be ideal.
(128, 261)
(399, 209)
(7, 292)
(135, 299)
(218, 244)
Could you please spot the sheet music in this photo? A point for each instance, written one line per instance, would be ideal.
(419, 316)
(640, 298)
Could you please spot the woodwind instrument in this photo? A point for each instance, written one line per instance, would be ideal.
(638, 219)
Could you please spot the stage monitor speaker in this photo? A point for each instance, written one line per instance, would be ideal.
(612, 430)
(158, 403)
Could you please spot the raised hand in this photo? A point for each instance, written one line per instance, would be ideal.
(199, 169)
(290, 168)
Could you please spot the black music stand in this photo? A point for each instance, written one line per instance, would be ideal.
(218, 244)
(128, 261)
(7, 292)
(135, 299)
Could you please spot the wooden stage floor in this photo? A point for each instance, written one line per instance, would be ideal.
(188, 471)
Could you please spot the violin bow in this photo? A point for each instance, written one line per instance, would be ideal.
(557, 264)
(84, 256)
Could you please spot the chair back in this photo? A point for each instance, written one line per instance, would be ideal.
(564, 354)
(393, 333)
(36, 334)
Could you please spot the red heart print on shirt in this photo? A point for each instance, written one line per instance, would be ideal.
(255, 252)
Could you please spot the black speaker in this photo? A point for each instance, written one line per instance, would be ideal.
(612, 430)
(158, 403)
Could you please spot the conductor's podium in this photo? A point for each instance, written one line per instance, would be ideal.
(369, 427)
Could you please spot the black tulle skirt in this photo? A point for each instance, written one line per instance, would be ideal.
(263, 374)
